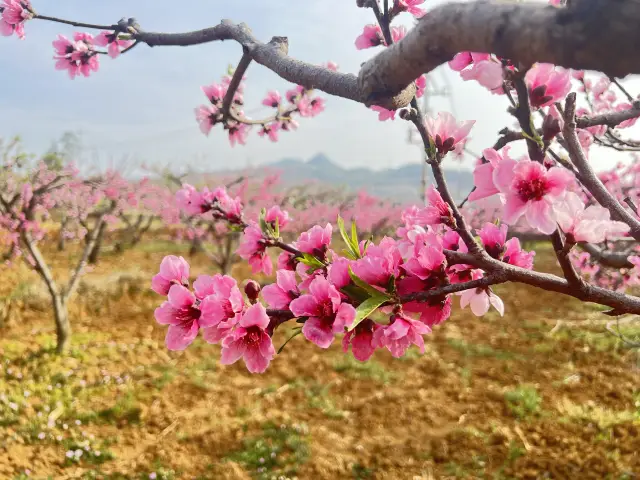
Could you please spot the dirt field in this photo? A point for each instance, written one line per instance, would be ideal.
(493, 398)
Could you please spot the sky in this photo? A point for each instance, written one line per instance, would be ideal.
(139, 108)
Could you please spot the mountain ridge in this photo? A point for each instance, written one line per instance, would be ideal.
(401, 183)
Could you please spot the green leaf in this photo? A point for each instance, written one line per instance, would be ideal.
(311, 261)
(349, 254)
(355, 293)
(373, 292)
(345, 237)
(277, 229)
(366, 308)
(298, 332)
(354, 238)
(391, 285)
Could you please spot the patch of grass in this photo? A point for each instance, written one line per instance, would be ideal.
(166, 376)
(523, 401)
(84, 453)
(126, 411)
(319, 397)
(278, 451)
(363, 370)
(604, 418)
(480, 350)
(360, 472)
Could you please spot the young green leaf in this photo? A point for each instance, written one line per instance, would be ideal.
(355, 293)
(373, 292)
(311, 261)
(366, 308)
(343, 233)
(354, 238)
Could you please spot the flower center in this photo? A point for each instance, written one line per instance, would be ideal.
(529, 190)
(253, 336)
(188, 315)
(325, 310)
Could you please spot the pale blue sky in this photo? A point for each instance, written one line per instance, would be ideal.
(142, 103)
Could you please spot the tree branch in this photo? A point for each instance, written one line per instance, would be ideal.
(244, 63)
(82, 263)
(575, 37)
(589, 178)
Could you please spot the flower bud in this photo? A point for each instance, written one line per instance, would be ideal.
(252, 290)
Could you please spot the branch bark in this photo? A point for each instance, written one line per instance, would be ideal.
(578, 36)
(589, 178)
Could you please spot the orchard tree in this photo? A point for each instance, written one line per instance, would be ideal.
(538, 56)
(30, 199)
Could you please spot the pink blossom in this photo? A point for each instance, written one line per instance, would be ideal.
(294, 94)
(627, 123)
(207, 116)
(328, 315)
(316, 241)
(14, 15)
(221, 305)
(438, 211)
(276, 213)
(280, 294)
(487, 73)
(398, 33)
(182, 315)
(480, 67)
(250, 341)
(332, 66)
(592, 224)
(379, 264)
(400, 334)
(421, 85)
(371, 36)
(432, 312)
(270, 130)
(253, 249)
(546, 84)
(192, 201)
(310, 107)
(533, 191)
(286, 261)
(451, 240)
(215, 93)
(514, 255)
(445, 132)
(361, 340)
(384, 114)
(173, 271)
(78, 57)
(338, 272)
(111, 40)
(493, 239)
(480, 299)
(411, 6)
(272, 99)
(238, 134)
(429, 260)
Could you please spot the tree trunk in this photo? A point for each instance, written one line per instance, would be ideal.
(61, 238)
(95, 251)
(63, 327)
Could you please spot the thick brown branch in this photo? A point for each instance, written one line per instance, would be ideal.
(275, 59)
(578, 36)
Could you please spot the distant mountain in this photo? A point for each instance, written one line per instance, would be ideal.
(401, 183)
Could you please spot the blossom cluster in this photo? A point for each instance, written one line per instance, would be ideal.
(371, 295)
(300, 102)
